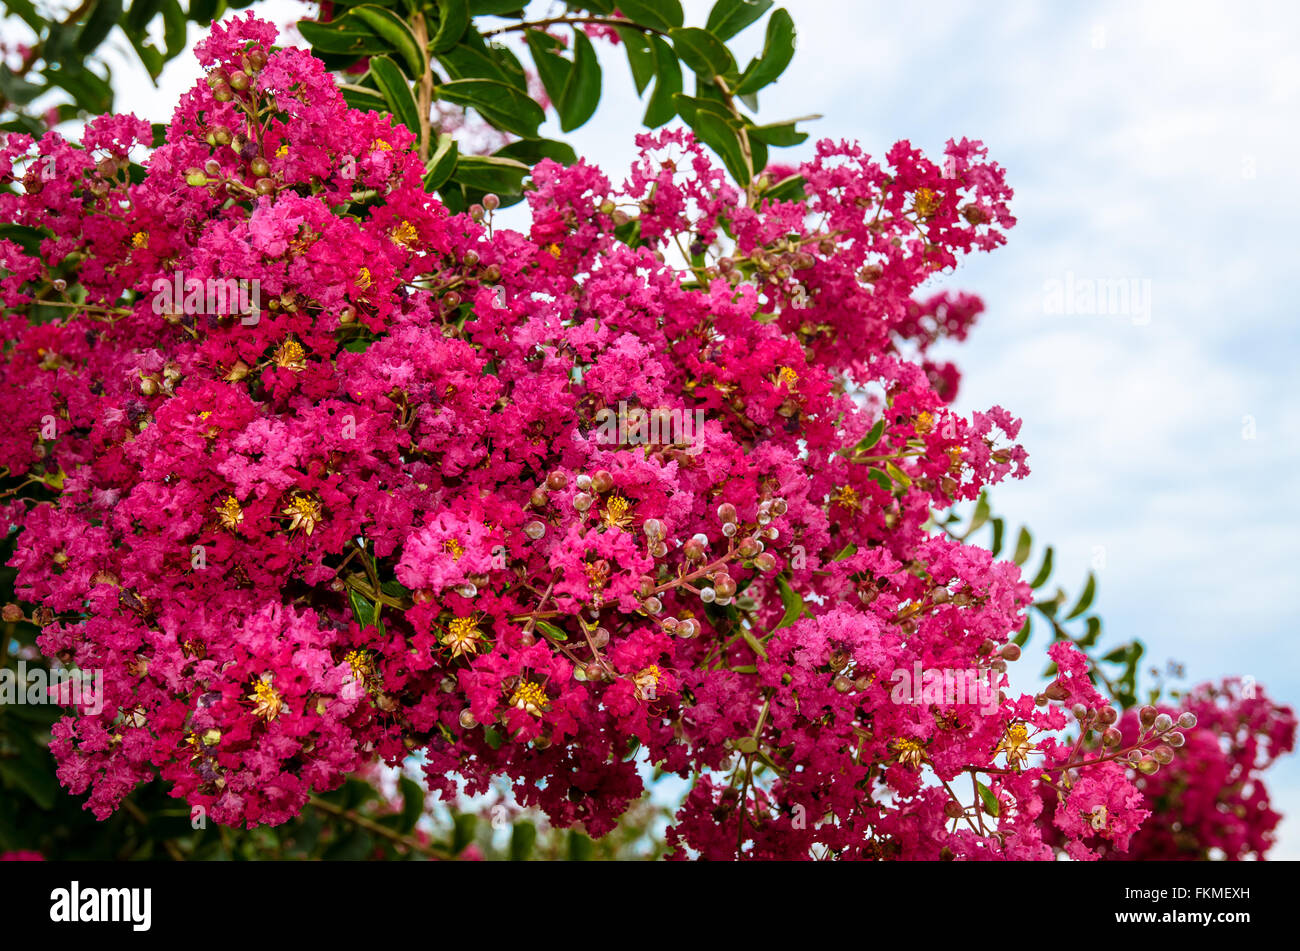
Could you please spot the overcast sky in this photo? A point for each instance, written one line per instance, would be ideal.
(1154, 143)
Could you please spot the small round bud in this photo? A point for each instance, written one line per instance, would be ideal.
(1010, 652)
(556, 481)
(467, 590)
(765, 562)
(451, 299)
(223, 93)
(239, 80)
(653, 528)
(688, 628)
(658, 549)
(669, 624)
(727, 513)
(1186, 720)
(1163, 723)
(653, 606)
(1080, 711)
(260, 167)
(583, 482)
(467, 719)
(535, 529)
(953, 810)
(600, 637)
(779, 507)
(582, 501)
(750, 547)
(842, 684)
(265, 186)
(1147, 716)
(1175, 739)
(539, 497)
(693, 549)
(491, 202)
(1148, 765)
(707, 595)
(1111, 737)
(1108, 715)
(195, 177)
(725, 586)
(148, 386)
(477, 212)
(12, 613)
(1163, 754)
(602, 481)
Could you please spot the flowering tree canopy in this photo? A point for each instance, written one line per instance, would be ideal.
(319, 465)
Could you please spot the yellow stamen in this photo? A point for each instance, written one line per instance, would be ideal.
(462, 636)
(268, 701)
(304, 512)
(230, 513)
(291, 356)
(531, 697)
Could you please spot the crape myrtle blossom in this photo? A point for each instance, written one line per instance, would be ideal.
(378, 518)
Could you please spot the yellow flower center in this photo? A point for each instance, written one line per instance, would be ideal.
(266, 698)
(530, 696)
(926, 203)
(616, 512)
(453, 548)
(304, 512)
(363, 278)
(230, 513)
(910, 752)
(140, 240)
(555, 250)
(847, 496)
(462, 636)
(924, 422)
(291, 356)
(282, 151)
(405, 234)
(787, 376)
(379, 145)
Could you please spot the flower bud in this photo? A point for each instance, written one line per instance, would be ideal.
(1163, 723)
(1108, 715)
(693, 549)
(259, 167)
(239, 80)
(725, 586)
(1080, 712)
(765, 562)
(600, 637)
(653, 605)
(467, 719)
(1111, 737)
(491, 202)
(1186, 720)
(727, 513)
(535, 529)
(1010, 652)
(707, 595)
(556, 481)
(1148, 765)
(195, 177)
(1147, 716)
(688, 628)
(1163, 754)
(602, 481)
(1175, 739)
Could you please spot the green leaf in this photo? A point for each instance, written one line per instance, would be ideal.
(581, 847)
(89, 91)
(453, 20)
(1024, 542)
(898, 475)
(660, 14)
(496, 8)
(991, 804)
(362, 608)
(440, 167)
(780, 134)
(553, 68)
(1023, 635)
(397, 92)
(136, 21)
(463, 834)
(492, 736)
(640, 56)
(502, 105)
(412, 802)
(103, 17)
(174, 28)
(717, 134)
(981, 515)
(729, 17)
(522, 839)
(1085, 599)
(787, 189)
(668, 83)
(345, 36)
(26, 772)
(532, 151)
(792, 600)
(848, 551)
(394, 29)
(363, 98)
(1045, 571)
(553, 632)
(999, 527)
(872, 437)
(778, 50)
(487, 173)
(581, 93)
(702, 51)
(882, 480)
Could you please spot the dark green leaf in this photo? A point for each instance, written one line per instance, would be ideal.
(1024, 542)
(346, 35)
(792, 600)
(581, 92)
(787, 189)
(412, 802)
(488, 173)
(532, 151)
(702, 51)
(999, 527)
(553, 68)
(729, 17)
(1085, 599)
(453, 20)
(581, 847)
(778, 50)
(668, 83)
(522, 839)
(781, 134)
(397, 33)
(872, 437)
(397, 91)
(1045, 571)
(882, 480)
(660, 14)
(137, 19)
(103, 17)
(553, 632)
(440, 167)
(718, 134)
(362, 608)
(505, 106)
(640, 56)
(174, 28)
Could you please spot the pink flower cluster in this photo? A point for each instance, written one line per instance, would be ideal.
(372, 514)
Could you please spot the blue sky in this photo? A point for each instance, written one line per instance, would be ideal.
(1149, 142)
